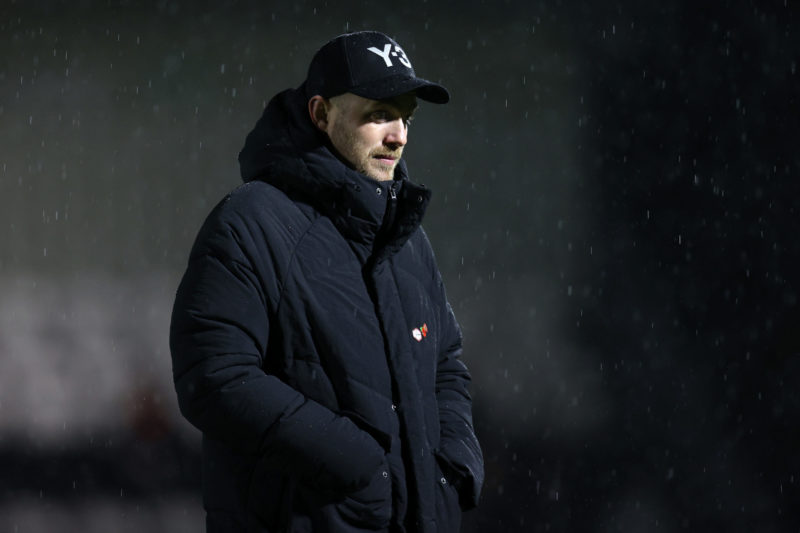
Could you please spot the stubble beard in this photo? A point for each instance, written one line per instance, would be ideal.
(380, 174)
(362, 159)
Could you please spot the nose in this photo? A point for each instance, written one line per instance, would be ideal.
(396, 134)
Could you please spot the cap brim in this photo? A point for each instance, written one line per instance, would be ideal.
(391, 87)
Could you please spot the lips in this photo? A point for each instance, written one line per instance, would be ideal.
(386, 159)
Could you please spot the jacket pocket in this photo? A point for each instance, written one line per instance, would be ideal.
(371, 506)
(448, 510)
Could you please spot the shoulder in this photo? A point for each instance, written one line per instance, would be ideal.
(254, 217)
(257, 201)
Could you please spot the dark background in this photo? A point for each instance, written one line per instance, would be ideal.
(614, 216)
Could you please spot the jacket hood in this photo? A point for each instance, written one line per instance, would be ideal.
(272, 144)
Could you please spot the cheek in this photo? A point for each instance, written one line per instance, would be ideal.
(351, 147)
(359, 143)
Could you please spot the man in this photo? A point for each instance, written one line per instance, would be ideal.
(312, 342)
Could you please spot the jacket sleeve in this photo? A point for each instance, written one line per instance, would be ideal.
(458, 445)
(218, 339)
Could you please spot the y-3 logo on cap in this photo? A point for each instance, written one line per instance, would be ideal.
(387, 51)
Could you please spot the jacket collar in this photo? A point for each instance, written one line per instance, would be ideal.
(285, 150)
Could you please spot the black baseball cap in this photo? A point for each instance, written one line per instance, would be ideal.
(368, 64)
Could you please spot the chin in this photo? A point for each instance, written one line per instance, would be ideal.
(379, 175)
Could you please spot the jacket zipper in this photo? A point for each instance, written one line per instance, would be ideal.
(392, 207)
(388, 221)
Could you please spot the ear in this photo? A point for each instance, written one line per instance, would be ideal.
(318, 111)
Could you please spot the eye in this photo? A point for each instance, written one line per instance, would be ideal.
(408, 120)
(379, 115)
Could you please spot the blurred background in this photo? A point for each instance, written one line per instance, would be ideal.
(614, 213)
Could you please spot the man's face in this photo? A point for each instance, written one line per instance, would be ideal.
(370, 134)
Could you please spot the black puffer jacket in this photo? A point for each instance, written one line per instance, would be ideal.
(313, 346)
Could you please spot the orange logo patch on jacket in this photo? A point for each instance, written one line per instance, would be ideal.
(420, 333)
